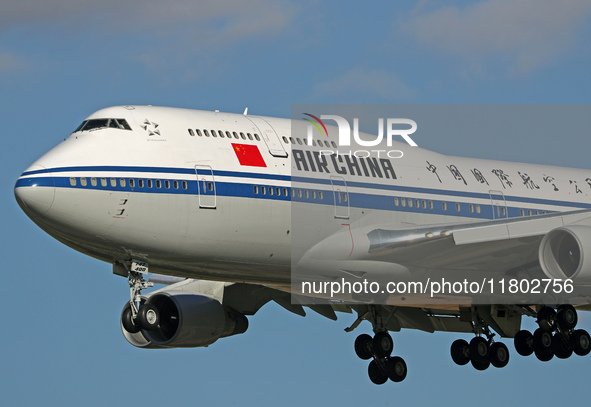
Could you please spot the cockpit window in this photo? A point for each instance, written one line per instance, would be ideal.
(94, 124)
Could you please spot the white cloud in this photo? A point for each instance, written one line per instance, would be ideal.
(226, 20)
(165, 36)
(529, 33)
(364, 84)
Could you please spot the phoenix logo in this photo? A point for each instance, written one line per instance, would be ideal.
(315, 124)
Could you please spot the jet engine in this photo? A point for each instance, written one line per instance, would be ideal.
(187, 321)
(562, 253)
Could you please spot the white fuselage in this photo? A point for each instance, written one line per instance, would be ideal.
(167, 192)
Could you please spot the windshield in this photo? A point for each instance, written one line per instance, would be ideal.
(94, 124)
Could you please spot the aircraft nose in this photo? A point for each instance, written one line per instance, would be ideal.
(35, 191)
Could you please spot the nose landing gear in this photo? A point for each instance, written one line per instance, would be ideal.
(139, 314)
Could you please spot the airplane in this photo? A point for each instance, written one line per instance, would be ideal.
(221, 208)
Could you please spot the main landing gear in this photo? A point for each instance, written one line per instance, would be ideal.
(556, 335)
(138, 314)
(383, 366)
(482, 351)
(379, 348)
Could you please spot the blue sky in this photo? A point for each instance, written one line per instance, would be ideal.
(60, 60)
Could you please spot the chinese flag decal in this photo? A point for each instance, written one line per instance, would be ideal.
(249, 155)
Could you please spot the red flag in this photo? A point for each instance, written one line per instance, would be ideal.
(249, 155)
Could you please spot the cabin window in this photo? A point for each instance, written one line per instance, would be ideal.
(122, 182)
(73, 181)
(185, 186)
(191, 133)
(444, 206)
(113, 182)
(167, 184)
(158, 184)
(396, 202)
(140, 183)
(103, 182)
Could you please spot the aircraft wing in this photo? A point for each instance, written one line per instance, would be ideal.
(498, 245)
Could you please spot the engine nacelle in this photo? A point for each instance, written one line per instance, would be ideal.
(190, 320)
(562, 253)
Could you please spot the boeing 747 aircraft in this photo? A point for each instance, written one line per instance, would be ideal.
(222, 208)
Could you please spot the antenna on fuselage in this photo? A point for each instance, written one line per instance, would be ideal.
(245, 111)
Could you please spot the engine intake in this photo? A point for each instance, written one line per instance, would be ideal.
(562, 254)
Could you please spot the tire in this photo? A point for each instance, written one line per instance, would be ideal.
(580, 342)
(566, 317)
(542, 341)
(149, 317)
(129, 324)
(523, 343)
(375, 373)
(499, 354)
(561, 349)
(382, 344)
(544, 356)
(480, 365)
(460, 352)
(363, 346)
(547, 319)
(396, 369)
(479, 350)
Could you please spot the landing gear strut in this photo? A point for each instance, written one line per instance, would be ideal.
(556, 335)
(139, 315)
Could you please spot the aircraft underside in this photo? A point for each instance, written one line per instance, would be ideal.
(193, 313)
